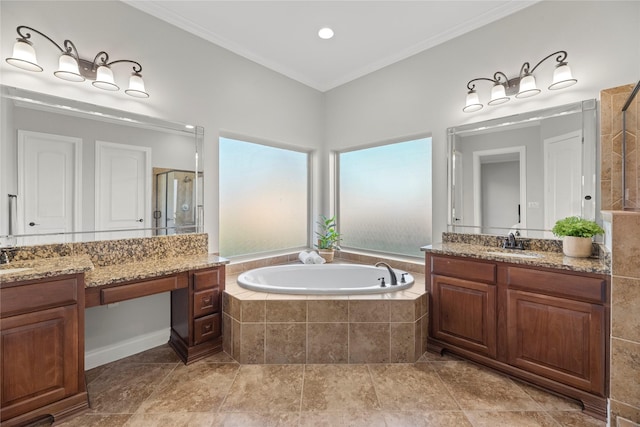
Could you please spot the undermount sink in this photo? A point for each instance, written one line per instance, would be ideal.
(13, 270)
(514, 254)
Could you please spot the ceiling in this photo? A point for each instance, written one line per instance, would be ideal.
(369, 35)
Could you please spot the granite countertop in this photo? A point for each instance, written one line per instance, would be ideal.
(148, 269)
(43, 268)
(538, 258)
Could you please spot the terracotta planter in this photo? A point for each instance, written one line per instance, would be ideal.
(327, 254)
(577, 247)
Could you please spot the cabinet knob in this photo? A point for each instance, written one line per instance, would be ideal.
(207, 327)
(206, 301)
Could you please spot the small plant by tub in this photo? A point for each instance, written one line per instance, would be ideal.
(328, 237)
(577, 235)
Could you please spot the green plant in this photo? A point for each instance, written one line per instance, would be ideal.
(328, 236)
(576, 227)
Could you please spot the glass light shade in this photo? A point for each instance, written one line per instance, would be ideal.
(527, 87)
(104, 79)
(24, 56)
(68, 69)
(562, 77)
(498, 95)
(325, 33)
(473, 102)
(136, 86)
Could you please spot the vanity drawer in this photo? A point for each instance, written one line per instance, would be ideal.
(463, 269)
(38, 296)
(206, 328)
(206, 279)
(572, 286)
(206, 302)
(143, 289)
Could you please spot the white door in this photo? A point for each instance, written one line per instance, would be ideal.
(562, 177)
(49, 185)
(123, 188)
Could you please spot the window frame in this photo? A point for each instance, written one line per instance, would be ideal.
(310, 155)
(335, 187)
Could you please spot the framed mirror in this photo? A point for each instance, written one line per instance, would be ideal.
(521, 173)
(73, 172)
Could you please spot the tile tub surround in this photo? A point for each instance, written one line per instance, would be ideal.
(263, 328)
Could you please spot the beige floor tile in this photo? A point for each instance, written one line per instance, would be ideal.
(478, 389)
(95, 420)
(409, 387)
(321, 419)
(510, 419)
(257, 419)
(338, 388)
(265, 388)
(427, 419)
(364, 419)
(220, 357)
(548, 401)
(160, 354)
(126, 386)
(434, 357)
(94, 373)
(575, 419)
(185, 419)
(200, 387)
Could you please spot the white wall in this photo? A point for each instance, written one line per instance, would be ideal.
(426, 92)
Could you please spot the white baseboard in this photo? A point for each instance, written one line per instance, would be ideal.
(103, 355)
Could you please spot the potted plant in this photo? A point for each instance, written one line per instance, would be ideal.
(328, 237)
(577, 235)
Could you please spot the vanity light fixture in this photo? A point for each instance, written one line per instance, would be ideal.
(73, 68)
(522, 86)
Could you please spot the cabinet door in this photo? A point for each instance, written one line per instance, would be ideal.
(464, 313)
(557, 338)
(39, 359)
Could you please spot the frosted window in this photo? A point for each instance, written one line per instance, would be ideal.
(263, 198)
(385, 197)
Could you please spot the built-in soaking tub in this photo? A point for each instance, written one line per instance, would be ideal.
(324, 279)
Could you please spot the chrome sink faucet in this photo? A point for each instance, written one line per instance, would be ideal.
(394, 278)
(510, 242)
(4, 256)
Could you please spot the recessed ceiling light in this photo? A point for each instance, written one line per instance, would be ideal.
(325, 33)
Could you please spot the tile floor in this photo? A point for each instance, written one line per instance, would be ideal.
(154, 388)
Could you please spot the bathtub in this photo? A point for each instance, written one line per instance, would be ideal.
(323, 279)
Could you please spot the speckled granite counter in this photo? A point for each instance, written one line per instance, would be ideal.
(538, 258)
(119, 273)
(44, 267)
(107, 275)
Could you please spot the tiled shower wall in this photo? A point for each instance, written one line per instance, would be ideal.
(625, 253)
(611, 103)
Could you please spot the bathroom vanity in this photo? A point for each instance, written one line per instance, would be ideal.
(42, 314)
(542, 318)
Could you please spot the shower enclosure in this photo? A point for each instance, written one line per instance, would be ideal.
(175, 198)
(630, 156)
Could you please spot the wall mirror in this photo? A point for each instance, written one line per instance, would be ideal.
(521, 173)
(73, 172)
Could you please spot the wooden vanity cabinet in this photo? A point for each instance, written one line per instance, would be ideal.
(42, 349)
(196, 315)
(464, 304)
(548, 327)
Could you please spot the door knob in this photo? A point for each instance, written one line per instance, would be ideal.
(31, 224)
(140, 220)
